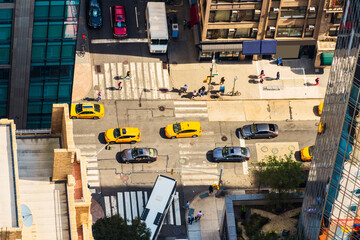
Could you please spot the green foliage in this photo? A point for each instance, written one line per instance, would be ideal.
(116, 228)
(254, 224)
(281, 174)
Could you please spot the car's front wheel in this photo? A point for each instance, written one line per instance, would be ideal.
(194, 136)
(270, 137)
(112, 142)
(173, 137)
(95, 118)
(132, 142)
(73, 117)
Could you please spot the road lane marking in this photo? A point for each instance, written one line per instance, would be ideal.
(127, 40)
(133, 205)
(107, 206)
(128, 208)
(121, 204)
(244, 163)
(177, 209)
(113, 205)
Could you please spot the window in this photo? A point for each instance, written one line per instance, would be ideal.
(270, 32)
(293, 12)
(333, 31)
(217, 33)
(289, 31)
(336, 18)
(273, 15)
(222, 16)
(312, 13)
(309, 31)
(242, 33)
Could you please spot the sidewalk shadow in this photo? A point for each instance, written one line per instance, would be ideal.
(175, 90)
(253, 81)
(101, 138)
(89, 99)
(112, 88)
(309, 84)
(187, 95)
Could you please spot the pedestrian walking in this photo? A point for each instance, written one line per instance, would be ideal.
(128, 75)
(211, 189)
(277, 75)
(189, 25)
(198, 216)
(187, 205)
(262, 72)
(119, 85)
(317, 81)
(222, 81)
(261, 78)
(191, 219)
(184, 24)
(185, 87)
(194, 94)
(99, 96)
(200, 92)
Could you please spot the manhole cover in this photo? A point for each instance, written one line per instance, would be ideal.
(291, 125)
(162, 108)
(124, 178)
(182, 160)
(291, 148)
(274, 150)
(224, 138)
(177, 231)
(192, 144)
(125, 62)
(264, 149)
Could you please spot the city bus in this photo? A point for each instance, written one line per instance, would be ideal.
(158, 204)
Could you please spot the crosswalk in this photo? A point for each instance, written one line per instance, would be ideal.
(191, 109)
(89, 151)
(147, 81)
(130, 205)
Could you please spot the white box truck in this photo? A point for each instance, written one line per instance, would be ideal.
(157, 29)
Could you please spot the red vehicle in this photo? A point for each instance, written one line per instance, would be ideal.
(118, 22)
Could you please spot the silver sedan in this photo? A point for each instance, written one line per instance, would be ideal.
(229, 154)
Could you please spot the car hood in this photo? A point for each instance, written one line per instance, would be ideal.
(169, 129)
(120, 31)
(95, 21)
(110, 133)
(72, 110)
(245, 130)
(126, 154)
(217, 153)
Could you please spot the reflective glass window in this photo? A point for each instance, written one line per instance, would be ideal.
(50, 90)
(36, 90)
(4, 54)
(65, 89)
(55, 30)
(53, 51)
(5, 33)
(57, 9)
(40, 30)
(6, 15)
(68, 51)
(41, 9)
(38, 51)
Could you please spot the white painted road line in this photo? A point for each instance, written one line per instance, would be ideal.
(177, 209)
(128, 207)
(189, 103)
(127, 40)
(84, 135)
(93, 178)
(183, 115)
(107, 206)
(171, 214)
(191, 108)
(93, 172)
(113, 205)
(140, 202)
(133, 205)
(244, 163)
(93, 153)
(92, 164)
(121, 204)
(146, 198)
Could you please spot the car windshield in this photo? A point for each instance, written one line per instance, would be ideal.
(243, 151)
(96, 12)
(116, 132)
(225, 151)
(253, 128)
(78, 108)
(137, 151)
(311, 150)
(272, 127)
(177, 127)
(120, 24)
(97, 107)
(151, 152)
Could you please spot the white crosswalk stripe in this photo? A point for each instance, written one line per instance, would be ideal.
(147, 78)
(130, 205)
(191, 109)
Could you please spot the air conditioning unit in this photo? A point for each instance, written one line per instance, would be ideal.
(272, 29)
(231, 30)
(275, 10)
(254, 29)
(234, 12)
(257, 12)
(311, 27)
(312, 9)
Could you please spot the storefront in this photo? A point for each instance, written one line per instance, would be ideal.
(221, 51)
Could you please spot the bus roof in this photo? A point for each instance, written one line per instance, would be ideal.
(157, 20)
(158, 204)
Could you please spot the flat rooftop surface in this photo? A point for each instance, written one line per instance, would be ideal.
(46, 200)
(7, 181)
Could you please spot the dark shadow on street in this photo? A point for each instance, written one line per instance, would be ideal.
(112, 88)
(316, 110)
(297, 156)
(238, 132)
(309, 84)
(101, 138)
(187, 95)
(253, 81)
(118, 78)
(118, 157)
(89, 99)
(209, 156)
(162, 133)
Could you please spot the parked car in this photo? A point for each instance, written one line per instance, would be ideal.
(137, 155)
(183, 129)
(228, 154)
(259, 130)
(123, 135)
(94, 14)
(320, 108)
(118, 22)
(306, 153)
(87, 110)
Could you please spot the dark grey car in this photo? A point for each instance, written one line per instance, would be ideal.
(136, 155)
(229, 154)
(259, 130)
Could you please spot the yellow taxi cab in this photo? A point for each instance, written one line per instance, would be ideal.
(87, 110)
(306, 153)
(123, 135)
(183, 129)
(320, 108)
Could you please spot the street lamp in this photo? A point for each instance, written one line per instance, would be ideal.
(233, 90)
(213, 64)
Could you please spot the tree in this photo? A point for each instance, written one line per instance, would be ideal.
(282, 174)
(116, 228)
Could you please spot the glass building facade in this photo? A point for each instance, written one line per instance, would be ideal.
(52, 59)
(331, 204)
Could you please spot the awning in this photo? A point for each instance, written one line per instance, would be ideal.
(221, 47)
(326, 58)
(194, 14)
(268, 47)
(251, 47)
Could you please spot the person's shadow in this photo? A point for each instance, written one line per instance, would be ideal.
(309, 84)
